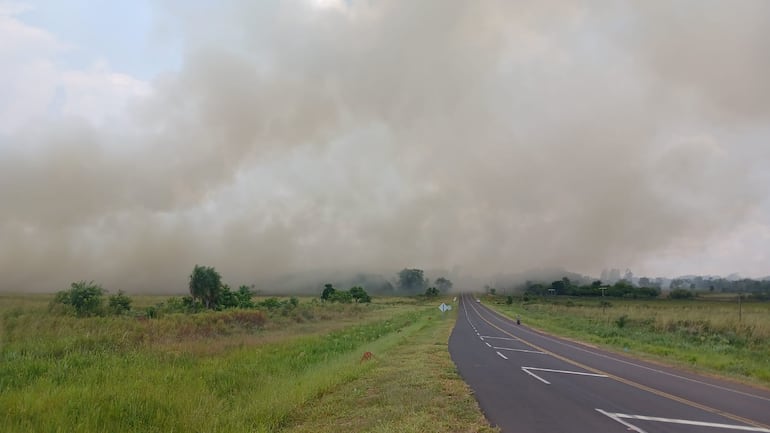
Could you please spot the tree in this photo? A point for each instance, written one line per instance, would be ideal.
(359, 295)
(119, 303)
(558, 287)
(244, 296)
(443, 284)
(328, 292)
(431, 292)
(412, 281)
(205, 285)
(84, 297)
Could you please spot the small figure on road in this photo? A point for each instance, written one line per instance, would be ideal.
(518, 320)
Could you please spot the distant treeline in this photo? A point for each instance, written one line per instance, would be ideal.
(723, 285)
(564, 286)
(679, 288)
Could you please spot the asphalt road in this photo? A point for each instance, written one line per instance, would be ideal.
(528, 382)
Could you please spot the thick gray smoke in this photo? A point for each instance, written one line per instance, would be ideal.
(368, 136)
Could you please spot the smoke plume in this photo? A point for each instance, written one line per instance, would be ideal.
(370, 136)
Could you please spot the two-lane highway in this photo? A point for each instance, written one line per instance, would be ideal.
(527, 381)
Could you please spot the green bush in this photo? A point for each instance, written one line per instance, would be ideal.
(226, 298)
(328, 291)
(341, 297)
(270, 304)
(85, 298)
(119, 303)
(244, 296)
(360, 295)
(680, 294)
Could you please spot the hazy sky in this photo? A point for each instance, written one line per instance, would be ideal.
(267, 137)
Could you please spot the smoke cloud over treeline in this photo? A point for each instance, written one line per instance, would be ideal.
(369, 136)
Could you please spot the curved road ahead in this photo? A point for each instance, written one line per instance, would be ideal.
(527, 381)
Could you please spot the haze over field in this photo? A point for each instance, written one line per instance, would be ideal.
(266, 138)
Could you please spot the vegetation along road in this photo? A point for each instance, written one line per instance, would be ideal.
(527, 381)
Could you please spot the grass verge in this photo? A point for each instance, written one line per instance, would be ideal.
(413, 387)
(705, 336)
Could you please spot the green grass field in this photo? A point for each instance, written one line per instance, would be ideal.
(706, 335)
(231, 371)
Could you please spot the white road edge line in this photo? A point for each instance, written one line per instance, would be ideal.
(502, 356)
(615, 418)
(690, 422)
(526, 370)
(520, 350)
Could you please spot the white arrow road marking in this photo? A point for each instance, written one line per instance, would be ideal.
(526, 370)
(620, 416)
(502, 356)
(488, 345)
(629, 426)
(579, 373)
(519, 350)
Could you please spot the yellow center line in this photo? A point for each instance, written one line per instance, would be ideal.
(620, 379)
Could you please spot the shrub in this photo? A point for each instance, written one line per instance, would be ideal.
(294, 301)
(226, 298)
(680, 294)
(119, 303)
(85, 298)
(270, 304)
(621, 321)
(509, 300)
(244, 295)
(341, 297)
(431, 292)
(184, 304)
(360, 295)
(327, 292)
(192, 305)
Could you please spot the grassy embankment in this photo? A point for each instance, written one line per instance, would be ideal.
(233, 371)
(702, 334)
